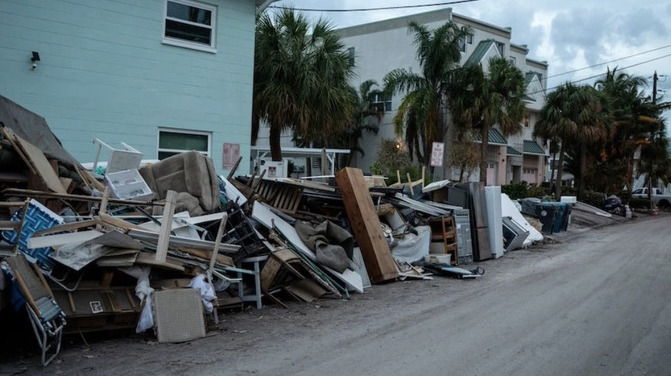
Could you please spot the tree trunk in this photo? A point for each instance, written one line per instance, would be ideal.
(560, 172)
(274, 140)
(483, 153)
(581, 173)
(553, 176)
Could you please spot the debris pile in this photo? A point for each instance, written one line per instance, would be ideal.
(169, 245)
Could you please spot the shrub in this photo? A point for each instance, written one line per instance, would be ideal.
(539, 192)
(515, 190)
(639, 203)
(593, 198)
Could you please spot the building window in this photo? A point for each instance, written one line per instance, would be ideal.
(190, 24)
(380, 101)
(350, 56)
(171, 142)
(499, 47)
(463, 41)
(512, 60)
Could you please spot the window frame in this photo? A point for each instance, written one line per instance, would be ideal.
(184, 132)
(212, 48)
(380, 98)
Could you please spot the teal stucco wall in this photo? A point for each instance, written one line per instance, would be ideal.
(105, 73)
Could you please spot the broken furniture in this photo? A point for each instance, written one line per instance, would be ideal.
(46, 316)
(243, 292)
(10, 248)
(36, 217)
(240, 232)
(96, 306)
(128, 184)
(120, 159)
(444, 237)
(283, 196)
(191, 174)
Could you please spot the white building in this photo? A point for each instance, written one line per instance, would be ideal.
(382, 46)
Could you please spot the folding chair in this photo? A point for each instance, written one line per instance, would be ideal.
(46, 317)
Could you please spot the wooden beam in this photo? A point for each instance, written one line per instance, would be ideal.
(65, 227)
(166, 226)
(65, 196)
(116, 222)
(380, 264)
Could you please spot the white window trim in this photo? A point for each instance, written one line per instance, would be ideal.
(185, 131)
(186, 44)
(379, 98)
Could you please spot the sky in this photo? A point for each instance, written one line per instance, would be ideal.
(571, 35)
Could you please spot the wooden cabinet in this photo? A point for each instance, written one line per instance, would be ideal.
(444, 233)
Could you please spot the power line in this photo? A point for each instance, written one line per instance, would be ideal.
(611, 61)
(374, 9)
(601, 74)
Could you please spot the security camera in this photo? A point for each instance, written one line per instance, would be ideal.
(34, 66)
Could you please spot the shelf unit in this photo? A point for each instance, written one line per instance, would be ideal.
(444, 231)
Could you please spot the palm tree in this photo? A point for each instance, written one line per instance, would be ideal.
(634, 117)
(571, 115)
(480, 100)
(420, 113)
(301, 76)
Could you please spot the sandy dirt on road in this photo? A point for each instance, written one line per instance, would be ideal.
(249, 333)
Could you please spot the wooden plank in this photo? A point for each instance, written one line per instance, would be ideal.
(380, 264)
(65, 196)
(9, 135)
(145, 258)
(207, 255)
(65, 227)
(166, 225)
(115, 222)
(41, 165)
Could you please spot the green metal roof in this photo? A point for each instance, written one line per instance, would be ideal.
(495, 137)
(532, 147)
(513, 152)
(479, 52)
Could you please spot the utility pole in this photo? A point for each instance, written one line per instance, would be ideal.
(654, 88)
(654, 102)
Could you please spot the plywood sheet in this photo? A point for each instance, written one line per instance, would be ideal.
(41, 165)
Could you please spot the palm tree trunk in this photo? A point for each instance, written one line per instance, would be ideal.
(483, 153)
(274, 140)
(553, 177)
(581, 174)
(560, 172)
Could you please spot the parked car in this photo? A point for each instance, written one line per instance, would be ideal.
(658, 197)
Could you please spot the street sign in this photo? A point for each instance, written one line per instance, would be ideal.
(437, 154)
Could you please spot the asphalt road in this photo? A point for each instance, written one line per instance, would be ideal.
(600, 306)
(598, 303)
